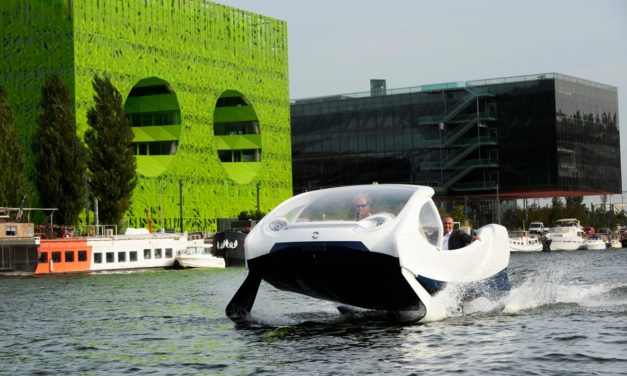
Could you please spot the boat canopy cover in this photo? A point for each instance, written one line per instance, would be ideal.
(339, 204)
(136, 231)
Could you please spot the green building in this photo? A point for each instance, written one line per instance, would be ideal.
(205, 88)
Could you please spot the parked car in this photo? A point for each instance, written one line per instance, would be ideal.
(588, 230)
(537, 228)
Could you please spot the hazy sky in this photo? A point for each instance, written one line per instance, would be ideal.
(337, 46)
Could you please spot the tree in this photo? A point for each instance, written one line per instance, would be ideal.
(458, 214)
(575, 208)
(111, 160)
(59, 153)
(557, 209)
(13, 181)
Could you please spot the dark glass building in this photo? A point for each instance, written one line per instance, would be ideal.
(546, 135)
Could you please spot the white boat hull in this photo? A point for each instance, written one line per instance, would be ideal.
(524, 244)
(198, 256)
(154, 251)
(567, 235)
(595, 245)
(525, 247)
(200, 262)
(566, 244)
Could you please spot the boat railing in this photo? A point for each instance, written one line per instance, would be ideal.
(57, 231)
(62, 231)
(102, 230)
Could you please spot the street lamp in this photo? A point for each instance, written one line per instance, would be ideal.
(258, 185)
(440, 129)
(498, 204)
(479, 126)
(498, 177)
(181, 202)
(478, 131)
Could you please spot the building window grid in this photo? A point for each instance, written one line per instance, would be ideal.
(532, 100)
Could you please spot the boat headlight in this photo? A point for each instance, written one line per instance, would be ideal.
(379, 221)
(372, 222)
(278, 225)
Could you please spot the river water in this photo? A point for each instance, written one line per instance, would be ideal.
(566, 315)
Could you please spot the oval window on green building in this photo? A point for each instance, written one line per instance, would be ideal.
(153, 112)
(237, 137)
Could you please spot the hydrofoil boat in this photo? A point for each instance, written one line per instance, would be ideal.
(322, 245)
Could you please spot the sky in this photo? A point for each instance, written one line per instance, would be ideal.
(337, 46)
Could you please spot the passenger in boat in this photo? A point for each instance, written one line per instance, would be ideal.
(362, 206)
(454, 239)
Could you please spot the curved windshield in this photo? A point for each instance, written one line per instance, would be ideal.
(349, 203)
(430, 223)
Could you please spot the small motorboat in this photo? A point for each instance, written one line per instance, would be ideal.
(594, 243)
(319, 244)
(198, 256)
(613, 242)
(520, 241)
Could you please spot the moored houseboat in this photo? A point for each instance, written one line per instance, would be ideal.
(18, 245)
(26, 249)
(111, 252)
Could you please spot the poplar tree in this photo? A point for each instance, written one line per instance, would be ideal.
(13, 181)
(111, 159)
(59, 153)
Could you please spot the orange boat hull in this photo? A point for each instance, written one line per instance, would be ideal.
(64, 255)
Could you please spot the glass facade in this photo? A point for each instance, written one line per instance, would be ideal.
(530, 136)
(588, 142)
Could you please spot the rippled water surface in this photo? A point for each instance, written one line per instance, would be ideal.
(566, 315)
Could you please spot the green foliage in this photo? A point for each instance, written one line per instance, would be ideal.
(13, 181)
(59, 153)
(251, 214)
(603, 215)
(111, 160)
(458, 214)
(519, 219)
(576, 209)
(557, 209)
(606, 215)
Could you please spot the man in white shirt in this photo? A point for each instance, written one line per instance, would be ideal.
(454, 239)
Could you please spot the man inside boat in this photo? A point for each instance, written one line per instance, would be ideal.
(454, 239)
(362, 206)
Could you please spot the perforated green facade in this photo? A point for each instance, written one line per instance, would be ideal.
(216, 66)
